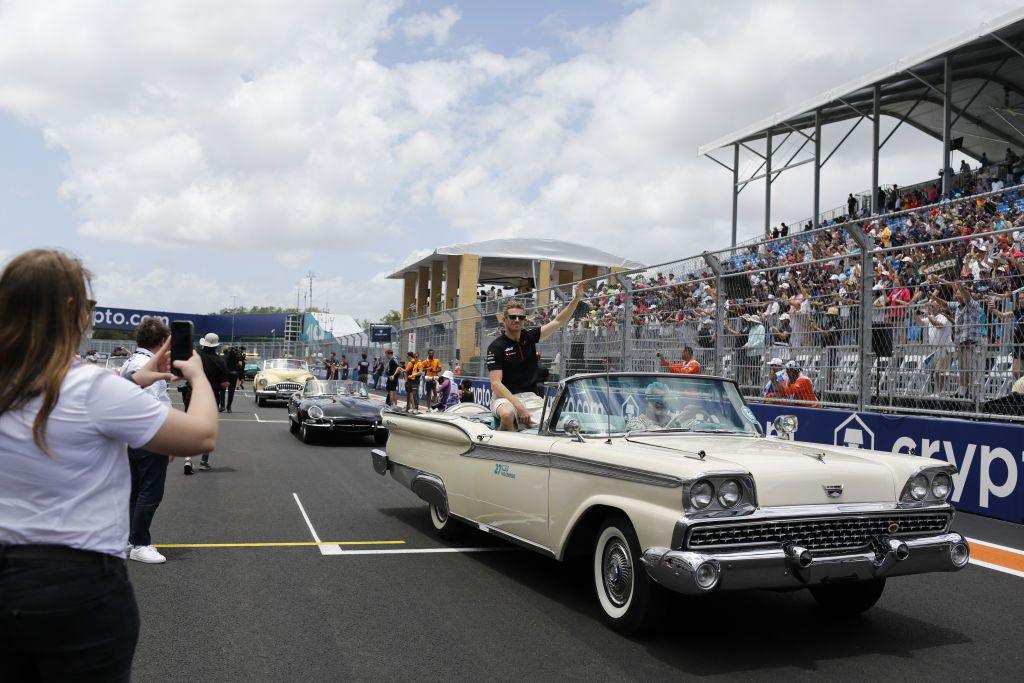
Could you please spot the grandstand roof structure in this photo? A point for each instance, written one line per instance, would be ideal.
(966, 91)
(506, 259)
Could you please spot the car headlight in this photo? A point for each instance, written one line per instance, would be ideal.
(701, 494)
(262, 381)
(917, 487)
(729, 493)
(316, 412)
(942, 484)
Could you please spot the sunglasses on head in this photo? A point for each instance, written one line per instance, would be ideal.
(513, 316)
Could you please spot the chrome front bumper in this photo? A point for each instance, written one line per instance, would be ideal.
(694, 573)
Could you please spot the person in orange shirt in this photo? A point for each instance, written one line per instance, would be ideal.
(413, 372)
(687, 366)
(799, 387)
(431, 370)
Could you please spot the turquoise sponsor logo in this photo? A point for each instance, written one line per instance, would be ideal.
(504, 471)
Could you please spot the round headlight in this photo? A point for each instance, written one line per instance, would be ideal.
(729, 493)
(262, 382)
(701, 494)
(942, 484)
(706, 575)
(316, 412)
(918, 487)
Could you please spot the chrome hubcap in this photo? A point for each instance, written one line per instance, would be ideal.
(440, 515)
(618, 572)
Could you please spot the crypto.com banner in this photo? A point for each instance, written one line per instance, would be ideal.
(243, 325)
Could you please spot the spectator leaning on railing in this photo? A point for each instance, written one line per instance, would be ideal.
(68, 611)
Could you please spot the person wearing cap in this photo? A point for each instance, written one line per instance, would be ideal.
(444, 390)
(656, 413)
(775, 372)
(799, 387)
(754, 346)
(939, 337)
(216, 371)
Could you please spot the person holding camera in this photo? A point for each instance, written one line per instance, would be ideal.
(67, 609)
(148, 469)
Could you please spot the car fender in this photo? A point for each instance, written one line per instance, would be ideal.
(652, 522)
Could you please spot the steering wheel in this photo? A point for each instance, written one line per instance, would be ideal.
(689, 424)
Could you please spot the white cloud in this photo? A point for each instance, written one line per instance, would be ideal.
(185, 291)
(435, 26)
(191, 124)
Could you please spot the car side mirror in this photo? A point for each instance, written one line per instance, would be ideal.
(572, 428)
(786, 425)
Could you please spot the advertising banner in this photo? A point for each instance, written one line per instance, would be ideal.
(241, 325)
(380, 334)
(989, 456)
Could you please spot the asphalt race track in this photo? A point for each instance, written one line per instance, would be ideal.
(362, 606)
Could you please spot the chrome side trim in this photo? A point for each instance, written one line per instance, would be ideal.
(504, 535)
(571, 464)
(484, 451)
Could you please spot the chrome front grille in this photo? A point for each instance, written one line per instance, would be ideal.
(821, 533)
(288, 386)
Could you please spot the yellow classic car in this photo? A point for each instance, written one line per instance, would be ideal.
(279, 378)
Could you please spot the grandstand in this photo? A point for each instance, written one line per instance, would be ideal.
(911, 303)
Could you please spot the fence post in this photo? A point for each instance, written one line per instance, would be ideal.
(867, 277)
(626, 328)
(716, 267)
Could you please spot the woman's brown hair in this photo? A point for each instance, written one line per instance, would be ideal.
(44, 311)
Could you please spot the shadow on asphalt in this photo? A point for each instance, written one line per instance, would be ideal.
(728, 632)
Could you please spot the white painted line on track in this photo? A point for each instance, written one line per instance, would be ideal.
(998, 568)
(325, 548)
(259, 420)
(424, 551)
(994, 545)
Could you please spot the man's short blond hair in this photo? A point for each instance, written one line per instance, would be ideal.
(512, 305)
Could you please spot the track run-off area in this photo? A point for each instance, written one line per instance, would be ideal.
(289, 561)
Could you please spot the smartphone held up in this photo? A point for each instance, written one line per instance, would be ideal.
(181, 342)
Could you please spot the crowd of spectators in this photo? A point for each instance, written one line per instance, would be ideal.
(939, 280)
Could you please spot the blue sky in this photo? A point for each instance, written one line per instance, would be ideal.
(191, 152)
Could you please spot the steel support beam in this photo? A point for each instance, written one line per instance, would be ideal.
(947, 123)
(768, 186)
(817, 168)
(876, 121)
(867, 276)
(716, 267)
(840, 143)
(735, 191)
(901, 121)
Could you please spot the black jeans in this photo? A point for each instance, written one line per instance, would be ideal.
(66, 620)
(149, 473)
(232, 382)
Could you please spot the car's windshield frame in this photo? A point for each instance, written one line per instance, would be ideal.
(272, 364)
(334, 387)
(748, 425)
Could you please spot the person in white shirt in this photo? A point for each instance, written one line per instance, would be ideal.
(148, 469)
(68, 611)
(939, 337)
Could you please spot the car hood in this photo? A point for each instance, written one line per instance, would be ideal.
(275, 376)
(784, 472)
(347, 406)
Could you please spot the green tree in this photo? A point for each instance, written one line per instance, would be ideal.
(392, 317)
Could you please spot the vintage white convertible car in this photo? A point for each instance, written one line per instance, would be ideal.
(667, 482)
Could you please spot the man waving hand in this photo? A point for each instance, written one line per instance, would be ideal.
(512, 364)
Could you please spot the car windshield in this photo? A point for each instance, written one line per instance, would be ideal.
(285, 364)
(117, 361)
(653, 403)
(322, 387)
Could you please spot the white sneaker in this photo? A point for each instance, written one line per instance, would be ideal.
(147, 554)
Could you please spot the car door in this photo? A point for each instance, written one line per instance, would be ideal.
(510, 473)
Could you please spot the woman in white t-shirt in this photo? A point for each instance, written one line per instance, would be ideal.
(67, 610)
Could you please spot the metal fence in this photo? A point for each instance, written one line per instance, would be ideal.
(918, 311)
